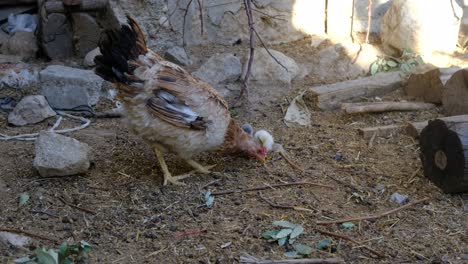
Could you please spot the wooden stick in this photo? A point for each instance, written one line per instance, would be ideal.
(19, 231)
(280, 206)
(352, 219)
(272, 186)
(382, 131)
(369, 20)
(378, 107)
(76, 206)
(253, 260)
(290, 162)
(380, 255)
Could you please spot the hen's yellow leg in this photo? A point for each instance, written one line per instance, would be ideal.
(198, 167)
(167, 175)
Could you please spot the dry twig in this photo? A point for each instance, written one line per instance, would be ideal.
(248, 11)
(76, 206)
(280, 206)
(248, 259)
(27, 233)
(379, 254)
(272, 186)
(369, 18)
(352, 219)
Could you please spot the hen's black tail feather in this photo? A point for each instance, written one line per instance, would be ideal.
(117, 48)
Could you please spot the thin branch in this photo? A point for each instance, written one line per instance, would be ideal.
(268, 51)
(372, 216)
(280, 206)
(27, 233)
(183, 25)
(369, 18)
(76, 206)
(272, 186)
(278, 17)
(200, 7)
(379, 254)
(248, 259)
(248, 11)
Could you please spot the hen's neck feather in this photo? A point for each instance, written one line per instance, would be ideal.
(234, 139)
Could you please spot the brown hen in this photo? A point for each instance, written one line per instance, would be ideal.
(166, 106)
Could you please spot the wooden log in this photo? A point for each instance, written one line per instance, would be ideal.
(86, 5)
(381, 131)
(444, 155)
(329, 97)
(455, 94)
(427, 82)
(378, 107)
(414, 129)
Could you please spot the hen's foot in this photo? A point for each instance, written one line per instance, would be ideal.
(175, 179)
(200, 168)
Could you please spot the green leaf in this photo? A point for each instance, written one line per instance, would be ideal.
(302, 249)
(405, 67)
(347, 225)
(283, 223)
(23, 199)
(283, 233)
(419, 60)
(292, 254)
(282, 241)
(392, 63)
(374, 68)
(291, 240)
(323, 244)
(46, 257)
(23, 260)
(296, 231)
(270, 234)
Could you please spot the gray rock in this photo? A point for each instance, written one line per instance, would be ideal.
(4, 58)
(88, 60)
(58, 155)
(220, 68)
(30, 110)
(86, 31)
(178, 56)
(57, 37)
(379, 8)
(421, 26)
(14, 239)
(67, 88)
(266, 70)
(399, 198)
(18, 76)
(23, 44)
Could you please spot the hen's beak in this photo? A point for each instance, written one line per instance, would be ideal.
(262, 160)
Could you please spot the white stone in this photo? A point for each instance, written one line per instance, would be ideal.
(422, 26)
(266, 70)
(14, 239)
(58, 155)
(88, 60)
(30, 110)
(67, 88)
(220, 68)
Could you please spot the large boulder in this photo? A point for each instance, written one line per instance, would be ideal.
(265, 69)
(220, 68)
(225, 21)
(30, 110)
(23, 44)
(58, 155)
(422, 26)
(67, 88)
(86, 33)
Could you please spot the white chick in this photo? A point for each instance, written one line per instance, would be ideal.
(266, 139)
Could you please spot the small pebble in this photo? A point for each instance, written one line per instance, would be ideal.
(399, 198)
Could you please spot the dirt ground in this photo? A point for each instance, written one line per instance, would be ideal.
(133, 219)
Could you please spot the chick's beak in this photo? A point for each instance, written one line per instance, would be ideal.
(262, 159)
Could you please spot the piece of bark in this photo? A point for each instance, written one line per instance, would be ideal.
(378, 107)
(86, 5)
(414, 129)
(444, 155)
(381, 131)
(455, 94)
(427, 82)
(330, 97)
